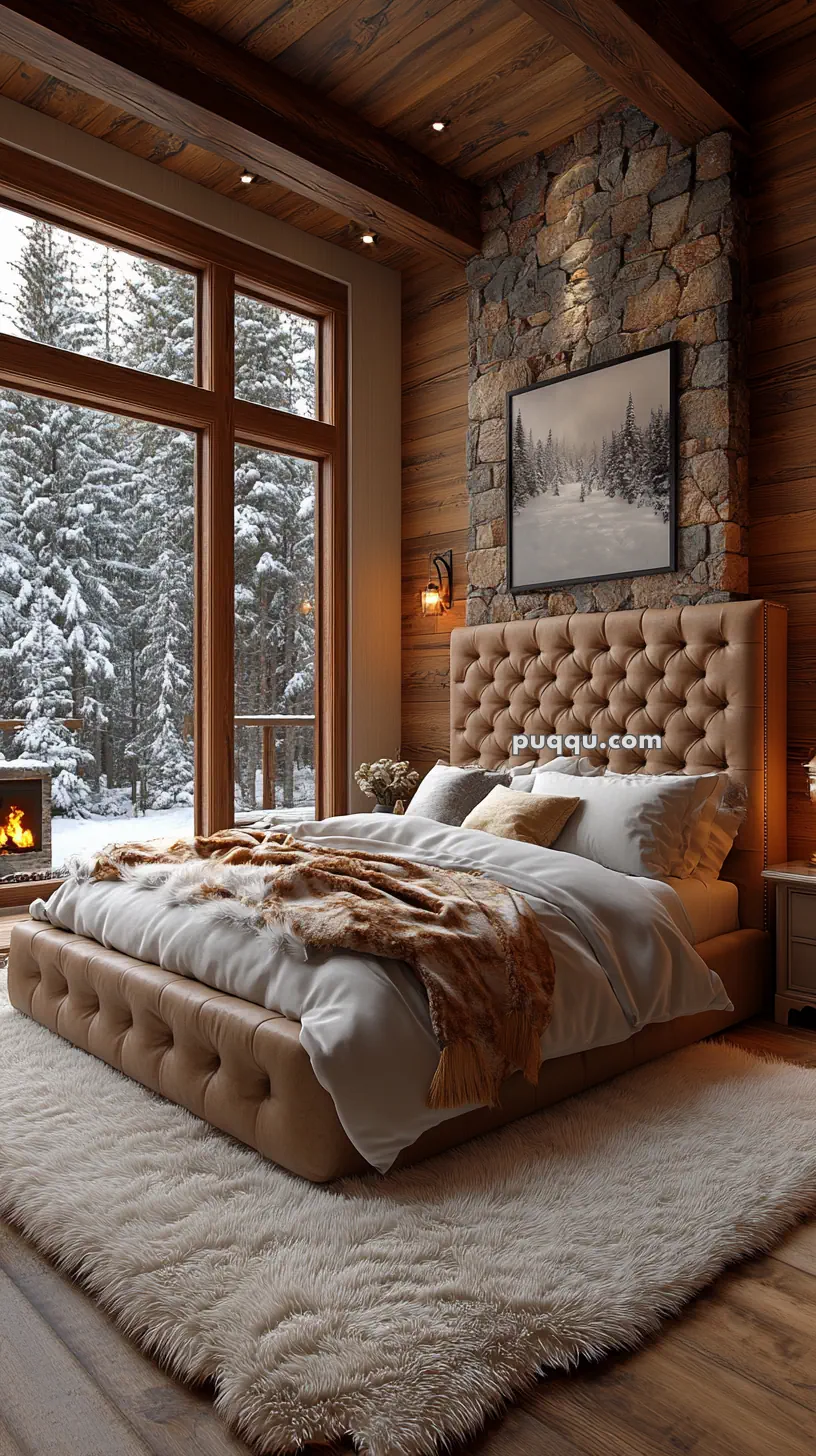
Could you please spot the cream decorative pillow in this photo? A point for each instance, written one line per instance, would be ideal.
(531, 819)
(637, 824)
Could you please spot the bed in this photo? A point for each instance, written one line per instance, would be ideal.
(710, 678)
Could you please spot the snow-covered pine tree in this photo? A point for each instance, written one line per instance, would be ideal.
(552, 469)
(158, 585)
(630, 450)
(658, 462)
(161, 338)
(274, 356)
(274, 571)
(16, 564)
(47, 450)
(274, 550)
(539, 469)
(524, 482)
(45, 672)
(592, 472)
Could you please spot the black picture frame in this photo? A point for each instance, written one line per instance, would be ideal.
(517, 588)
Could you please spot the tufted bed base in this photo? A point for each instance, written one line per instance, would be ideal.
(243, 1070)
(711, 679)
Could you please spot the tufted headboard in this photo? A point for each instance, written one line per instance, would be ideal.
(711, 679)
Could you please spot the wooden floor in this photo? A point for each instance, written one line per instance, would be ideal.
(734, 1376)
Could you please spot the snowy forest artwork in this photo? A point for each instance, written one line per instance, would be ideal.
(96, 544)
(591, 481)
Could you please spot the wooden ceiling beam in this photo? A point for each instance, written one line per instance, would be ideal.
(682, 73)
(170, 71)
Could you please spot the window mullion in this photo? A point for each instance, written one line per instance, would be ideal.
(215, 570)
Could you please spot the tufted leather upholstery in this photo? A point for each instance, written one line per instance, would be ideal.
(236, 1065)
(243, 1069)
(711, 679)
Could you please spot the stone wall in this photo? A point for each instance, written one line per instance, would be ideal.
(617, 241)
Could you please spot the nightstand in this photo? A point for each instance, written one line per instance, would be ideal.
(795, 937)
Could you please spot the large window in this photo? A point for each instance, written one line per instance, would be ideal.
(275, 500)
(96, 616)
(172, 523)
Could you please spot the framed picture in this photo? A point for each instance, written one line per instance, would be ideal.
(592, 474)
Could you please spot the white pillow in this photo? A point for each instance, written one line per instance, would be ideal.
(727, 824)
(710, 789)
(523, 776)
(635, 823)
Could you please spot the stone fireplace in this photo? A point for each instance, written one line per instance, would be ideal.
(25, 818)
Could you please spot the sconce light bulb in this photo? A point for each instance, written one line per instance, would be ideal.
(247, 177)
(369, 238)
(439, 125)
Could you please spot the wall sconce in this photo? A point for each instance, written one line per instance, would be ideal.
(438, 595)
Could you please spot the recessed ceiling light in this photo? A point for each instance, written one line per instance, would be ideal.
(369, 238)
(439, 125)
(247, 177)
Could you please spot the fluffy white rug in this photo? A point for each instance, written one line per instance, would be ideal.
(401, 1310)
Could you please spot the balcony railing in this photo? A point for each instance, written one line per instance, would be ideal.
(268, 722)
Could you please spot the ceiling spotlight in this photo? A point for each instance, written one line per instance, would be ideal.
(247, 177)
(439, 125)
(369, 238)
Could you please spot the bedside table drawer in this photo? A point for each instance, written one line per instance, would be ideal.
(802, 966)
(802, 909)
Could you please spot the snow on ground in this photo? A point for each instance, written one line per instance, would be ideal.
(85, 836)
(562, 538)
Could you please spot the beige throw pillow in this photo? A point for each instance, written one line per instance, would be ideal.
(527, 818)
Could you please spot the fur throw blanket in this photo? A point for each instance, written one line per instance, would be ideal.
(475, 945)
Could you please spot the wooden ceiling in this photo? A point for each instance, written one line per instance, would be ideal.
(507, 86)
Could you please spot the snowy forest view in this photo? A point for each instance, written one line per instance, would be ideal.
(591, 492)
(96, 547)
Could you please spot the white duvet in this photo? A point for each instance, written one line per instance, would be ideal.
(620, 946)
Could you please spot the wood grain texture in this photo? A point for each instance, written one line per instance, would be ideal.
(332, 579)
(757, 26)
(783, 388)
(680, 70)
(733, 1373)
(59, 374)
(166, 1417)
(434, 495)
(508, 87)
(214, 633)
(175, 73)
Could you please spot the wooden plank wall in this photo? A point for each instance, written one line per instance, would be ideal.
(434, 500)
(783, 390)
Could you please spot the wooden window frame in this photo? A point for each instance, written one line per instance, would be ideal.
(209, 408)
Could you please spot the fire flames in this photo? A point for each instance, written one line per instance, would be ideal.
(12, 834)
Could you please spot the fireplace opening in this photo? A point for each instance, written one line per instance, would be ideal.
(21, 816)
